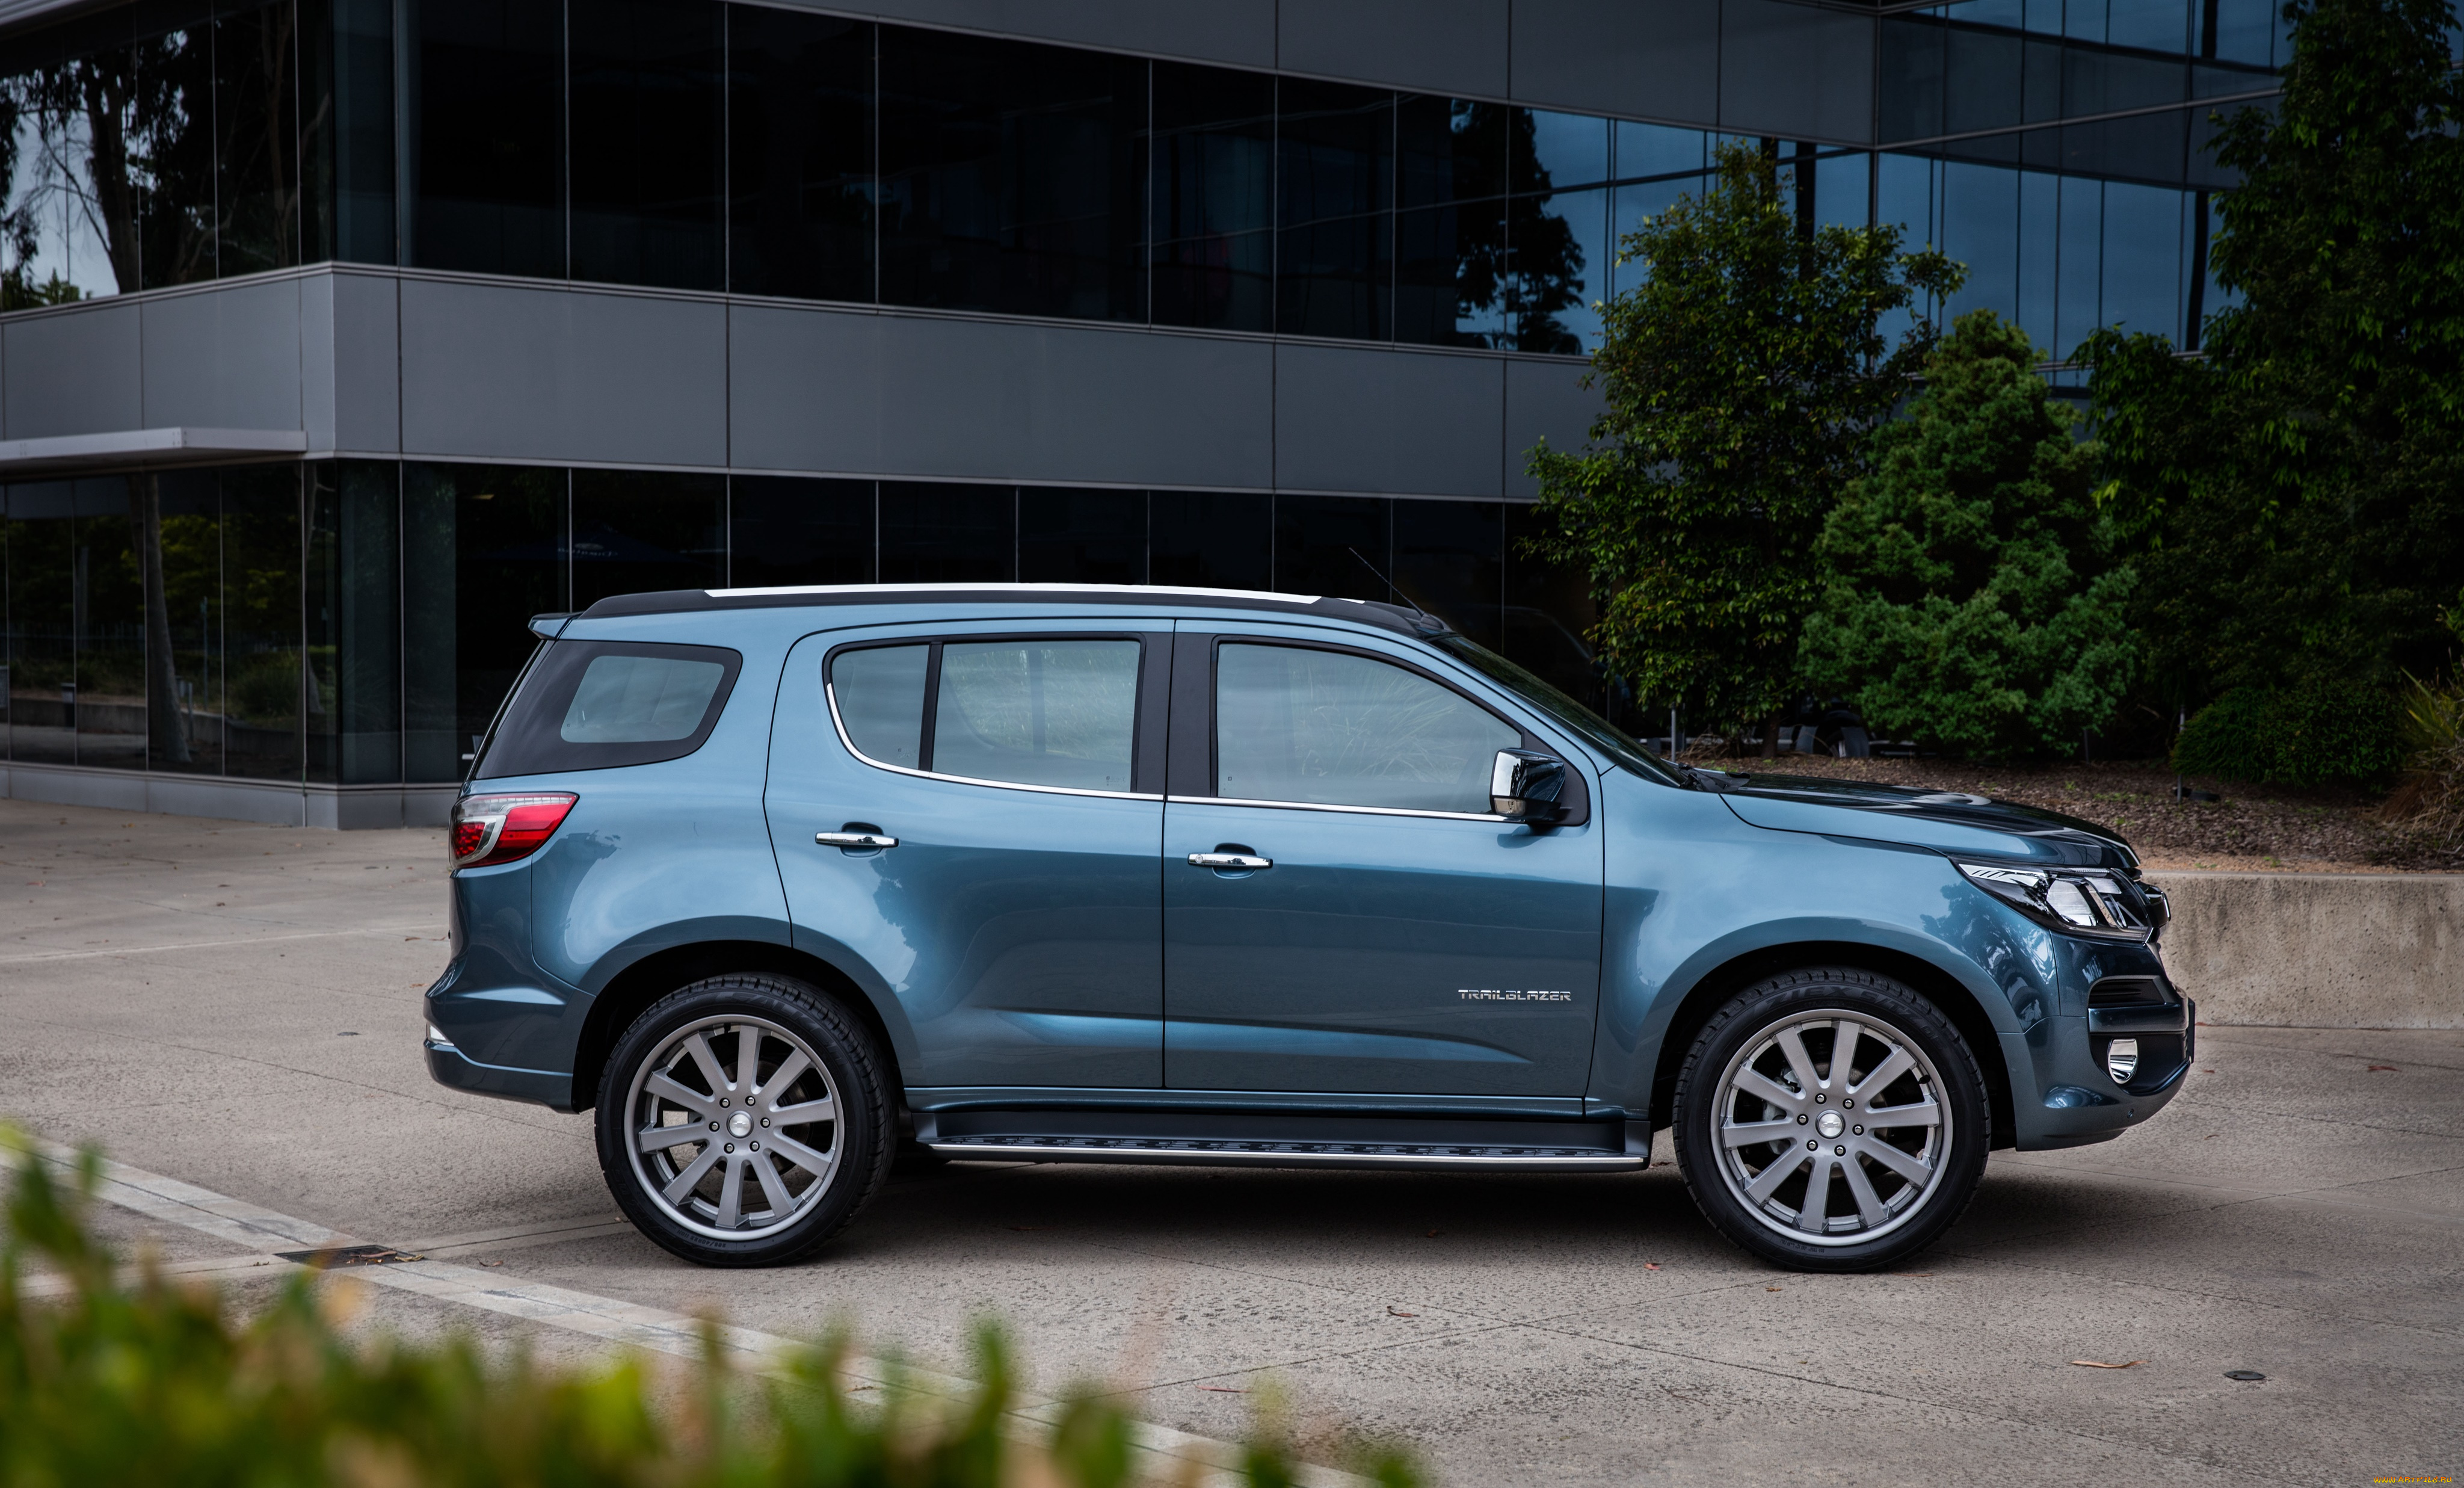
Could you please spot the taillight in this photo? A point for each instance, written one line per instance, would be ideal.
(503, 828)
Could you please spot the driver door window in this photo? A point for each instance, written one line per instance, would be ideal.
(1329, 728)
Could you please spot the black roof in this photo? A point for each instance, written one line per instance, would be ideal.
(1368, 612)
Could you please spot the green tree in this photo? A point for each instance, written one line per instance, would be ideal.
(2296, 498)
(1742, 379)
(1972, 598)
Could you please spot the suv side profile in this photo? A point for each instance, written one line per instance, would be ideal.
(774, 880)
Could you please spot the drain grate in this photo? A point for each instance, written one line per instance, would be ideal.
(349, 1255)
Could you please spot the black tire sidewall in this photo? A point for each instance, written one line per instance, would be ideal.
(845, 1049)
(1745, 1018)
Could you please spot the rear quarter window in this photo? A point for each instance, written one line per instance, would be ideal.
(599, 704)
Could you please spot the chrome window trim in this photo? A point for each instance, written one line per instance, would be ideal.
(1321, 806)
(830, 694)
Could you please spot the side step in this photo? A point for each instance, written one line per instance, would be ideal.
(1198, 1151)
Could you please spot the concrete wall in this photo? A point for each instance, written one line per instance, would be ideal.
(2319, 950)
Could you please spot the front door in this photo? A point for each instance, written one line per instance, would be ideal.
(1403, 939)
(1017, 922)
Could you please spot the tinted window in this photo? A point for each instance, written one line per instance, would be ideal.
(948, 534)
(1040, 713)
(647, 128)
(1336, 253)
(487, 138)
(800, 154)
(1206, 540)
(880, 697)
(1213, 250)
(257, 163)
(598, 705)
(787, 529)
(1329, 728)
(1082, 537)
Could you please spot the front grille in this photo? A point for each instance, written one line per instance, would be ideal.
(2127, 992)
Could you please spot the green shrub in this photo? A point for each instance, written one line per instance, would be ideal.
(2318, 733)
(159, 1383)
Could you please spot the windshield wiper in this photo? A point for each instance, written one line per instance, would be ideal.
(1705, 779)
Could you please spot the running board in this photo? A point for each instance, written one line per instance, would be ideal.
(1205, 1151)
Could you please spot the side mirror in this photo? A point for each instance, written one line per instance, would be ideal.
(1524, 785)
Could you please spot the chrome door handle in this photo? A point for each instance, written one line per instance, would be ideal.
(1229, 860)
(854, 839)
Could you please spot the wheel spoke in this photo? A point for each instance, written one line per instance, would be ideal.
(748, 1058)
(823, 1110)
(731, 1195)
(1879, 1078)
(698, 1045)
(659, 1139)
(1869, 1204)
(817, 1163)
(1767, 1182)
(1906, 1164)
(666, 1088)
(1761, 1086)
(1815, 1211)
(683, 1182)
(1791, 1044)
(1745, 1134)
(1844, 1034)
(772, 1187)
(785, 1075)
(1917, 1113)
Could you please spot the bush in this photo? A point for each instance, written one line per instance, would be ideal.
(159, 1383)
(2316, 734)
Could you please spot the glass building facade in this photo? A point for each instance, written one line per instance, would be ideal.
(353, 621)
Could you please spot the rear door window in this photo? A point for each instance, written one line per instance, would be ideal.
(597, 704)
(1052, 711)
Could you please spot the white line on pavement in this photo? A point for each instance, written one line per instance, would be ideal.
(628, 1324)
(238, 941)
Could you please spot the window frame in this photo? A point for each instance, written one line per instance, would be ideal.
(530, 723)
(1198, 657)
(1147, 722)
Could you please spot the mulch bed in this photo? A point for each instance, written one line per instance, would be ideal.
(2261, 827)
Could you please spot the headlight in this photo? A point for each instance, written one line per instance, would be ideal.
(2083, 902)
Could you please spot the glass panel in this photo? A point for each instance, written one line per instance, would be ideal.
(347, 100)
(1328, 545)
(640, 700)
(800, 154)
(487, 543)
(2041, 248)
(2083, 20)
(185, 527)
(2145, 147)
(42, 622)
(1982, 69)
(75, 232)
(1334, 254)
(880, 697)
(1453, 149)
(108, 613)
(1332, 729)
(354, 621)
(1448, 560)
(2155, 25)
(2082, 262)
(639, 530)
(948, 534)
(647, 142)
(1212, 201)
(261, 652)
(1450, 274)
(1658, 150)
(782, 530)
(171, 153)
(256, 130)
(1204, 540)
(1554, 151)
(2142, 259)
(1548, 608)
(1081, 536)
(1010, 176)
(486, 154)
(1980, 229)
(1560, 268)
(1040, 713)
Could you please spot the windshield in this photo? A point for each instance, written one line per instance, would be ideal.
(1597, 731)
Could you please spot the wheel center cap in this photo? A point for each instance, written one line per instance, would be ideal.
(1830, 1124)
(741, 1125)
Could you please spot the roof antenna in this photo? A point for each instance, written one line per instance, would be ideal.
(1390, 587)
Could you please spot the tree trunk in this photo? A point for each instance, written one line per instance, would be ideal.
(1770, 734)
(165, 738)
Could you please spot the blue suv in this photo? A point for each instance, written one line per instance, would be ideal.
(782, 881)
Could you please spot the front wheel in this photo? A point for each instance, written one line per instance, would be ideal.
(742, 1121)
(1831, 1119)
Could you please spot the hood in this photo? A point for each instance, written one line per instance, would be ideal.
(1950, 821)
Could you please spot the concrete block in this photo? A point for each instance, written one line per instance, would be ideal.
(2319, 950)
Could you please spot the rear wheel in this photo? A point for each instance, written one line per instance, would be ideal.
(1831, 1119)
(742, 1121)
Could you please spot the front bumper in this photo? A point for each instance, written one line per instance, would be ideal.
(2076, 1101)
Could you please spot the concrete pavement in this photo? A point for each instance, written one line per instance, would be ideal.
(238, 1006)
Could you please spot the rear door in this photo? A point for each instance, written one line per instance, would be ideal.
(1404, 940)
(1018, 920)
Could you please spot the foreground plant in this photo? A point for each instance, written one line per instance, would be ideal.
(158, 1382)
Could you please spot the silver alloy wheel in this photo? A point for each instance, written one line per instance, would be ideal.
(1832, 1128)
(734, 1127)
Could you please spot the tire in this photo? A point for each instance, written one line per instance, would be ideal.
(1755, 1064)
(717, 1197)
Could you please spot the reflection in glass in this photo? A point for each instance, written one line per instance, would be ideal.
(169, 141)
(485, 148)
(1333, 544)
(1980, 229)
(1010, 176)
(948, 534)
(1335, 247)
(354, 618)
(1037, 713)
(1561, 150)
(1632, 204)
(647, 142)
(1658, 150)
(641, 530)
(1452, 149)
(879, 693)
(1450, 268)
(42, 622)
(1557, 254)
(1448, 561)
(785, 529)
(488, 545)
(256, 137)
(1548, 607)
(1325, 727)
(1210, 540)
(1211, 183)
(108, 614)
(800, 154)
(1081, 536)
(2080, 275)
(269, 697)
(180, 531)
(2142, 260)
(346, 142)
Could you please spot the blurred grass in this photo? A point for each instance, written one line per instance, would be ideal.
(158, 1380)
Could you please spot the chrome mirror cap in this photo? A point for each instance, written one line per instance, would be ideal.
(1524, 785)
